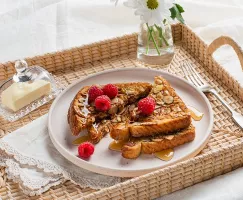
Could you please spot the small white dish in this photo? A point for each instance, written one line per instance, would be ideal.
(105, 161)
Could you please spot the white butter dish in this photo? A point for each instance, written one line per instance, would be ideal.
(30, 88)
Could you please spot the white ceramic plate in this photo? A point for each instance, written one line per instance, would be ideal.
(105, 161)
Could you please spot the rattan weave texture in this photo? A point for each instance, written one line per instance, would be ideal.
(223, 153)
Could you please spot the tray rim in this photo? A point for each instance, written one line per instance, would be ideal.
(121, 188)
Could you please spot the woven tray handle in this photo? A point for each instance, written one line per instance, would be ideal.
(223, 40)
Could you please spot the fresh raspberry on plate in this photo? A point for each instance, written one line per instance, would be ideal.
(110, 90)
(102, 103)
(94, 92)
(85, 150)
(146, 106)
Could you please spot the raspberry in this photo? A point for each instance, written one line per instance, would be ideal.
(146, 106)
(102, 103)
(94, 92)
(85, 150)
(110, 90)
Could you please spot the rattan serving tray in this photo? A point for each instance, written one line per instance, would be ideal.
(223, 153)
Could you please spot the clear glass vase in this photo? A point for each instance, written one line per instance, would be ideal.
(155, 44)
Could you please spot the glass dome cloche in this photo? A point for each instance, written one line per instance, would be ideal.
(29, 88)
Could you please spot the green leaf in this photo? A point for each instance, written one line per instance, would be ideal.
(173, 12)
(176, 11)
(180, 8)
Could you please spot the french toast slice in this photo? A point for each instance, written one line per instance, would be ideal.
(170, 115)
(99, 129)
(153, 144)
(82, 115)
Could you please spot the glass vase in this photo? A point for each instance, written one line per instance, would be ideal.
(155, 44)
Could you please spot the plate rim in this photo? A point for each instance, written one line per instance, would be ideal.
(126, 172)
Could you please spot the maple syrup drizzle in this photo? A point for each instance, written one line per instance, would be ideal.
(116, 145)
(165, 155)
(85, 110)
(84, 138)
(196, 114)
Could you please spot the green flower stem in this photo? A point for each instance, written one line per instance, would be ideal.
(149, 37)
(165, 41)
(161, 35)
(152, 37)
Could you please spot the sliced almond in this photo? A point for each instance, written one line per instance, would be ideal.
(159, 95)
(106, 129)
(123, 118)
(115, 100)
(129, 92)
(156, 139)
(131, 107)
(169, 137)
(157, 107)
(113, 110)
(118, 118)
(158, 81)
(122, 110)
(157, 89)
(168, 99)
(91, 109)
(176, 108)
(166, 92)
(160, 103)
(114, 120)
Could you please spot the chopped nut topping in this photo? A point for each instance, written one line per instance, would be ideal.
(166, 92)
(113, 110)
(115, 100)
(107, 130)
(91, 109)
(169, 137)
(159, 95)
(160, 102)
(158, 81)
(114, 120)
(118, 118)
(128, 92)
(176, 108)
(122, 110)
(157, 89)
(157, 107)
(168, 99)
(166, 111)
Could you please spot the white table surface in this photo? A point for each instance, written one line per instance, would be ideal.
(33, 27)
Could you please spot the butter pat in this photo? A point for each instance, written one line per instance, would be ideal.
(19, 95)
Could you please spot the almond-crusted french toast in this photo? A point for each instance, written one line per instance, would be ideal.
(152, 144)
(170, 115)
(84, 115)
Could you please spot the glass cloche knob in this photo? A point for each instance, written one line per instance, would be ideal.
(22, 75)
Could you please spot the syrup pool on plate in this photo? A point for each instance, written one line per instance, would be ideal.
(196, 114)
(165, 155)
(116, 145)
(84, 138)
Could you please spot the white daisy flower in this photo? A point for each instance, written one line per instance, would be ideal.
(116, 2)
(151, 11)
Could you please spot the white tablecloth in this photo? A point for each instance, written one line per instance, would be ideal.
(32, 27)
